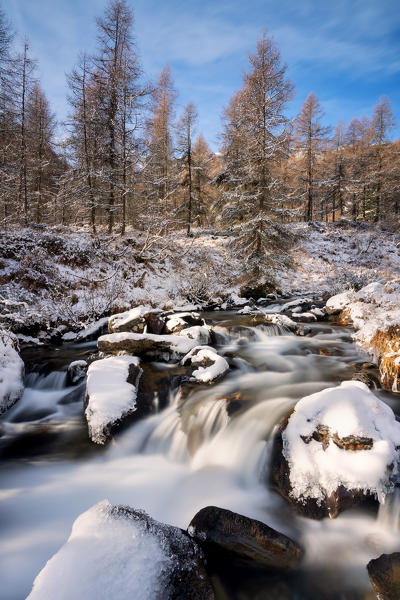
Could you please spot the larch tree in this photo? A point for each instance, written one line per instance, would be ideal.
(24, 83)
(186, 127)
(117, 67)
(382, 125)
(255, 143)
(310, 138)
(203, 160)
(40, 126)
(161, 180)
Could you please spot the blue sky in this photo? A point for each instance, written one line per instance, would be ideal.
(346, 51)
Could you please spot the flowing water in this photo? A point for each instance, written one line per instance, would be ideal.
(205, 447)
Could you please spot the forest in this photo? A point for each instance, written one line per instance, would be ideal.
(199, 344)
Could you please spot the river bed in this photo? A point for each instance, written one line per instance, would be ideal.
(210, 448)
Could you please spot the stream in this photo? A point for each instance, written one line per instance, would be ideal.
(204, 446)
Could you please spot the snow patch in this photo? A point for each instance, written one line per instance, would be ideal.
(11, 373)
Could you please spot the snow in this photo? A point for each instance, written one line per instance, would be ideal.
(118, 321)
(237, 300)
(11, 373)
(280, 320)
(349, 409)
(218, 367)
(110, 396)
(109, 555)
(180, 319)
(199, 333)
(178, 344)
(92, 329)
(337, 303)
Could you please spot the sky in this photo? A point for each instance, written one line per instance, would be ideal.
(346, 51)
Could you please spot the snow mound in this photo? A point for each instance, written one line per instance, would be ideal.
(11, 373)
(317, 443)
(109, 394)
(143, 343)
(214, 366)
(118, 553)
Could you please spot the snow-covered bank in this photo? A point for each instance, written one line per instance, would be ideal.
(374, 311)
(52, 281)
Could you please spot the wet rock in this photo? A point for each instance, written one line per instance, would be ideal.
(371, 380)
(76, 371)
(384, 573)
(119, 553)
(304, 317)
(218, 529)
(208, 366)
(133, 320)
(163, 347)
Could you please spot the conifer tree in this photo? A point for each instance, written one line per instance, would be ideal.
(255, 143)
(310, 138)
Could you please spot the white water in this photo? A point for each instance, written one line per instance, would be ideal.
(186, 457)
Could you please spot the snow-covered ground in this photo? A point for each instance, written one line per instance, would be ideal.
(54, 280)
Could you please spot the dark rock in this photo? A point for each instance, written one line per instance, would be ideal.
(188, 579)
(384, 573)
(155, 323)
(155, 346)
(257, 290)
(371, 380)
(220, 529)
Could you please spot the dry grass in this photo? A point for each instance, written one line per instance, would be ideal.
(386, 348)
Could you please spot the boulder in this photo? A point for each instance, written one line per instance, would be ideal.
(335, 449)
(217, 529)
(119, 553)
(11, 372)
(178, 321)
(133, 320)
(110, 394)
(208, 365)
(162, 347)
(76, 371)
(384, 573)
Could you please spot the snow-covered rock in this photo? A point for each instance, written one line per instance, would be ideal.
(209, 365)
(117, 553)
(199, 333)
(76, 371)
(93, 330)
(167, 347)
(281, 321)
(178, 321)
(337, 447)
(11, 373)
(337, 303)
(131, 320)
(110, 394)
(304, 317)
